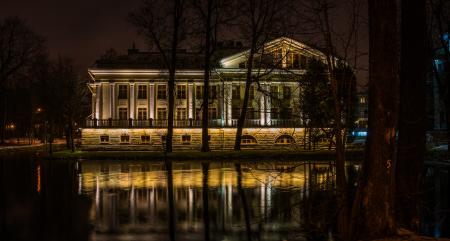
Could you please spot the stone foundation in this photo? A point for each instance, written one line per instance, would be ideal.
(190, 138)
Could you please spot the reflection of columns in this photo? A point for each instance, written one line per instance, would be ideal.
(106, 108)
(113, 100)
(132, 101)
(267, 105)
(228, 99)
(151, 101)
(190, 101)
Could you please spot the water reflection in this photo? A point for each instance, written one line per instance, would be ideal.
(243, 201)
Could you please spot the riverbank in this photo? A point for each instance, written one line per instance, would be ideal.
(283, 155)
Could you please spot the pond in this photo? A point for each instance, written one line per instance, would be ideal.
(140, 200)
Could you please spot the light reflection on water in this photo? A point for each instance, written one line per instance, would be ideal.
(130, 199)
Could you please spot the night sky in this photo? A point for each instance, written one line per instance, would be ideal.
(81, 29)
(85, 29)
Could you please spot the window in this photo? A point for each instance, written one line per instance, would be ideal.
(362, 99)
(181, 92)
(198, 92)
(142, 113)
(295, 61)
(235, 112)
(274, 91)
(286, 92)
(124, 138)
(123, 92)
(162, 114)
(145, 139)
(303, 62)
(248, 140)
(186, 139)
(181, 114)
(104, 139)
(278, 58)
(274, 113)
(213, 92)
(198, 114)
(251, 93)
(212, 113)
(285, 139)
(162, 92)
(236, 92)
(123, 114)
(142, 92)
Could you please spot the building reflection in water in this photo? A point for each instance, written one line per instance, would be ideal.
(131, 199)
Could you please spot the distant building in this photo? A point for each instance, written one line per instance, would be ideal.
(129, 98)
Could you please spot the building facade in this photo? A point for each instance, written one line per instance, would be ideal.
(129, 99)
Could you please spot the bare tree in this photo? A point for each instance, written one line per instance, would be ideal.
(161, 23)
(18, 45)
(259, 21)
(211, 14)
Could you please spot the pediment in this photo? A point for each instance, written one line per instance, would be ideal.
(282, 52)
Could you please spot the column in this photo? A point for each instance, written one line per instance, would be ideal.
(151, 101)
(94, 102)
(106, 113)
(97, 101)
(132, 101)
(228, 102)
(262, 108)
(113, 100)
(268, 106)
(190, 101)
(222, 104)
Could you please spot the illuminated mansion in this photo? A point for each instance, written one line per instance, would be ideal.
(129, 98)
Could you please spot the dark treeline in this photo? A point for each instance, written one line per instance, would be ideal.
(42, 98)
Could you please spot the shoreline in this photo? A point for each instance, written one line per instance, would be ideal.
(274, 155)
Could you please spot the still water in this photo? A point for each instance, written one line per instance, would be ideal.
(141, 200)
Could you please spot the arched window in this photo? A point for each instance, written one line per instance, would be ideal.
(285, 139)
(248, 140)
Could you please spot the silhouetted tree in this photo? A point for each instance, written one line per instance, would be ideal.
(162, 24)
(18, 45)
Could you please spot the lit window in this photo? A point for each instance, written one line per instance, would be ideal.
(124, 138)
(181, 114)
(145, 139)
(123, 92)
(186, 139)
(104, 139)
(285, 139)
(162, 92)
(181, 92)
(362, 99)
(142, 92)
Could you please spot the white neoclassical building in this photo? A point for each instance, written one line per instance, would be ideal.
(129, 98)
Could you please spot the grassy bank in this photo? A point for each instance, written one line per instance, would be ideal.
(286, 155)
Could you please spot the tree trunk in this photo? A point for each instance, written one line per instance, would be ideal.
(377, 183)
(172, 70)
(248, 83)
(207, 64)
(411, 137)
